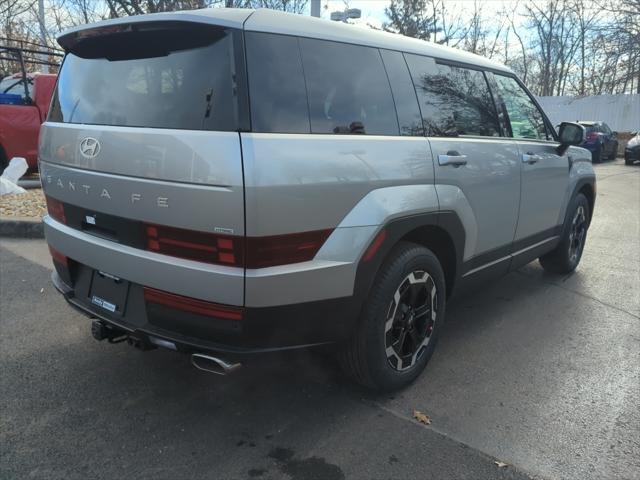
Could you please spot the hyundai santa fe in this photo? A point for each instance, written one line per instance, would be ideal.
(228, 183)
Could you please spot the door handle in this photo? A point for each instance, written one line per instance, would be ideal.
(452, 158)
(530, 158)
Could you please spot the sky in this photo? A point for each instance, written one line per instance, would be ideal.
(373, 10)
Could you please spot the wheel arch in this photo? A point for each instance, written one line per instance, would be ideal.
(440, 232)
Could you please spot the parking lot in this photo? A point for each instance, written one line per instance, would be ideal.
(537, 371)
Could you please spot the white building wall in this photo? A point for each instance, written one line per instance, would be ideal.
(621, 112)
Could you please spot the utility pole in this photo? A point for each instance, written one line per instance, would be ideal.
(315, 8)
(43, 37)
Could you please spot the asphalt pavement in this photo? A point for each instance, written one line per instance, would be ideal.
(536, 371)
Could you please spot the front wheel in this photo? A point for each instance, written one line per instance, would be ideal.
(398, 329)
(566, 256)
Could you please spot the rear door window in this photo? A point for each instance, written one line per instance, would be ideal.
(348, 89)
(276, 84)
(454, 100)
(183, 78)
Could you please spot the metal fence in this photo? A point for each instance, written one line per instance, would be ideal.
(621, 112)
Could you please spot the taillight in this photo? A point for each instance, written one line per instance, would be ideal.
(192, 305)
(592, 137)
(284, 249)
(59, 257)
(56, 209)
(192, 245)
(254, 252)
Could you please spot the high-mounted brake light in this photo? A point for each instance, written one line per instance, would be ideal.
(56, 209)
(192, 305)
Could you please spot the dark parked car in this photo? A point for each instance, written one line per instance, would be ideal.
(632, 150)
(600, 141)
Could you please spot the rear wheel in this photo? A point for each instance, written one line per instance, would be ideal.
(566, 257)
(596, 156)
(400, 322)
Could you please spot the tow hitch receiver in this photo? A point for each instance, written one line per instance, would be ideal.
(101, 331)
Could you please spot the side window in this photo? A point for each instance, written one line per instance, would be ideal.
(276, 84)
(454, 101)
(348, 89)
(606, 129)
(404, 95)
(525, 117)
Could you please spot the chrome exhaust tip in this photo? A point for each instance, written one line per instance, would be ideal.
(211, 364)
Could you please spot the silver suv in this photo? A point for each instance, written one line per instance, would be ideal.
(228, 183)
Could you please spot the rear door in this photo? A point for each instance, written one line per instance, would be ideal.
(545, 174)
(476, 165)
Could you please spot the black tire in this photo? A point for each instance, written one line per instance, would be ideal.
(596, 157)
(566, 256)
(365, 356)
(614, 151)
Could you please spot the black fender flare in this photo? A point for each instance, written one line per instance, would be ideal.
(397, 229)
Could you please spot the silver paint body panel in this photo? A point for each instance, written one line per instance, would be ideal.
(271, 184)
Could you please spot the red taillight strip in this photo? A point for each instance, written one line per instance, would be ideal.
(56, 209)
(254, 252)
(192, 305)
(275, 250)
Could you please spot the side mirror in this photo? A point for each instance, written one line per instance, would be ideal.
(615, 134)
(570, 134)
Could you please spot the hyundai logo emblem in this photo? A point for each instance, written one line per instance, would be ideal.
(89, 147)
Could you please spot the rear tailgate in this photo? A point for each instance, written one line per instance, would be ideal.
(143, 131)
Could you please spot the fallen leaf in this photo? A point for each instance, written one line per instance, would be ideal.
(500, 464)
(421, 417)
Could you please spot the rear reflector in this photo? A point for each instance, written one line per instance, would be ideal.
(56, 209)
(284, 249)
(375, 245)
(58, 256)
(192, 305)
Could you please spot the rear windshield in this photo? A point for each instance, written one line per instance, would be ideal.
(179, 76)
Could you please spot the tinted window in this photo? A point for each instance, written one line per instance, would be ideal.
(276, 84)
(454, 101)
(15, 85)
(348, 89)
(605, 128)
(404, 94)
(525, 117)
(165, 79)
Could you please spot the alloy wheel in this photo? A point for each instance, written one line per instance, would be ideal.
(577, 234)
(410, 320)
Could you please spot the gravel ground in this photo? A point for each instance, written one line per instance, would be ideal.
(29, 204)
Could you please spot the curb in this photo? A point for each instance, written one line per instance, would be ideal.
(21, 227)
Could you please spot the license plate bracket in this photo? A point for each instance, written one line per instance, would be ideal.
(108, 292)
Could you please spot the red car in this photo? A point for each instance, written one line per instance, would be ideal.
(24, 102)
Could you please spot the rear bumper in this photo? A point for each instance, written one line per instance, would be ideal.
(632, 153)
(262, 330)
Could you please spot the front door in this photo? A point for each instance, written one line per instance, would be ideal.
(545, 174)
(477, 171)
